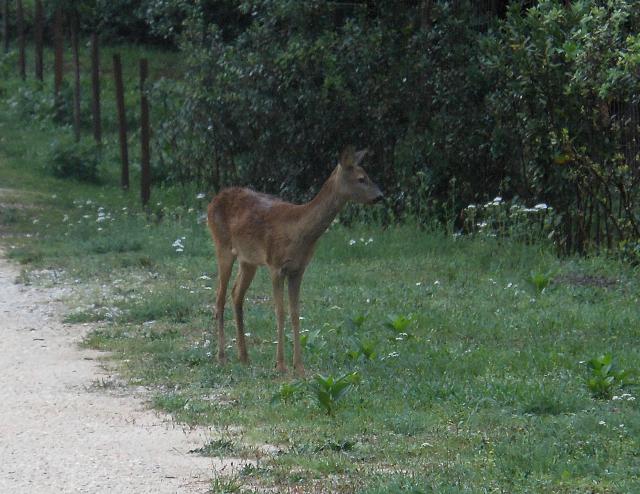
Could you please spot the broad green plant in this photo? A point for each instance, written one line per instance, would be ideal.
(329, 390)
(605, 377)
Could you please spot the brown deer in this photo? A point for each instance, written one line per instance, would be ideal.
(260, 230)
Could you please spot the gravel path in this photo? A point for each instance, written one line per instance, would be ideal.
(60, 434)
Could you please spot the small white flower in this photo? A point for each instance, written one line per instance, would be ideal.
(541, 206)
(201, 195)
(602, 422)
(65, 218)
(497, 199)
(247, 335)
(419, 283)
(179, 249)
(616, 398)
(204, 277)
(631, 398)
(352, 242)
(437, 282)
(471, 206)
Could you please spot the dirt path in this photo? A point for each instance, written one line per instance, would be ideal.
(57, 434)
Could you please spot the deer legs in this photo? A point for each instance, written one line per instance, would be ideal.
(278, 299)
(246, 274)
(225, 264)
(244, 279)
(295, 280)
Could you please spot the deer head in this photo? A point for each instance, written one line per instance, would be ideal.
(353, 182)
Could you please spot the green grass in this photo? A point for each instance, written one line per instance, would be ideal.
(486, 392)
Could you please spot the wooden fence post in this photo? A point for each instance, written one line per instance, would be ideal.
(76, 87)
(122, 120)
(58, 41)
(22, 62)
(5, 24)
(39, 21)
(145, 179)
(95, 84)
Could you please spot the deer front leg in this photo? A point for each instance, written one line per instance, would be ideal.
(295, 281)
(278, 298)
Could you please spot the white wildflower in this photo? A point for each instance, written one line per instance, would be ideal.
(602, 422)
(541, 206)
(201, 195)
(352, 242)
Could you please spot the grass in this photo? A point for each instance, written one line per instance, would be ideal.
(470, 356)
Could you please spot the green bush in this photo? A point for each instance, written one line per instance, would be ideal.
(76, 160)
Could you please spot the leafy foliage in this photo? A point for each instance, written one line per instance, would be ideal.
(77, 160)
(330, 390)
(605, 377)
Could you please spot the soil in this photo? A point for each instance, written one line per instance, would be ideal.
(62, 427)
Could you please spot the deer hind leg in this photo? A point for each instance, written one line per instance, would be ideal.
(295, 280)
(225, 265)
(278, 298)
(244, 279)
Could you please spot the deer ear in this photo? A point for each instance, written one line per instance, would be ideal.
(359, 156)
(347, 158)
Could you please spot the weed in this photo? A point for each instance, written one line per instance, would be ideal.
(605, 377)
(540, 281)
(288, 392)
(216, 447)
(330, 390)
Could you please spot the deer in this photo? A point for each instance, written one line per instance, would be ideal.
(263, 230)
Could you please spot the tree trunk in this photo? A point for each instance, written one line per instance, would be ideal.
(145, 179)
(58, 41)
(39, 27)
(22, 59)
(5, 24)
(95, 84)
(76, 87)
(122, 121)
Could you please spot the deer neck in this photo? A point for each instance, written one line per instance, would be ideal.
(322, 210)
